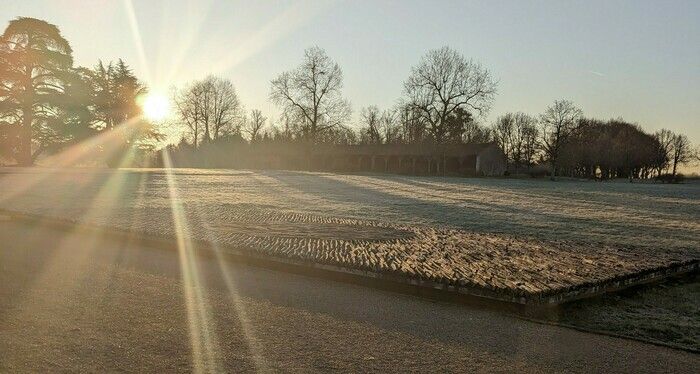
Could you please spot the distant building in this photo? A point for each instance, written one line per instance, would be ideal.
(416, 159)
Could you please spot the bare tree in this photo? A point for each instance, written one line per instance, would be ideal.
(341, 135)
(389, 127)
(413, 126)
(682, 151)
(284, 131)
(474, 132)
(443, 82)
(522, 139)
(209, 109)
(255, 124)
(188, 108)
(311, 94)
(502, 131)
(225, 108)
(556, 124)
(371, 122)
(665, 138)
(530, 140)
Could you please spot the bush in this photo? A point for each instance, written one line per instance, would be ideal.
(670, 178)
(538, 172)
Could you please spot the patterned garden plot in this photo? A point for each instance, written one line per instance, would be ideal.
(499, 264)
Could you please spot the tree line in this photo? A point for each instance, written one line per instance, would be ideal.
(442, 98)
(441, 94)
(46, 104)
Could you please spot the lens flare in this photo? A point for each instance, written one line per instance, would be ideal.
(156, 107)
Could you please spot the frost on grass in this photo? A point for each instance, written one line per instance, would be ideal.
(513, 236)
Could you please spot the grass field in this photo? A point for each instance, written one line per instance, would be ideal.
(648, 215)
(519, 237)
(666, 313)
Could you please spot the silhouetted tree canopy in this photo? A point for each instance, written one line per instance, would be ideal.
(614, 149)
(682, 151)
(556, 124)
(443, 82)
(209, 110)
(370, 118)
(517, 135)
(116, 91)
(36, 66)
(255, 125)
(310, 95)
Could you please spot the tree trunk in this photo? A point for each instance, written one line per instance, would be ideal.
(675, 162)
(554, 171)
(24, 156)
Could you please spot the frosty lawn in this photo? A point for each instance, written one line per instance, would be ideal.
(521, 239)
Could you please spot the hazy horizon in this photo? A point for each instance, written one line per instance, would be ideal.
(624, 59)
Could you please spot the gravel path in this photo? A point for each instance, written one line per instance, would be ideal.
(71, 302)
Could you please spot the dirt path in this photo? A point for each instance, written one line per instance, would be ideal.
(72, 302)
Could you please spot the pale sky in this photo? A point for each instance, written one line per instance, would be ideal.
(639, 60)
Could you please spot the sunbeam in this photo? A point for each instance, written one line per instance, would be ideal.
(247, 328)
(202, 338)
(111, 193)
(108, 141)
(184, 33)
(136, 35)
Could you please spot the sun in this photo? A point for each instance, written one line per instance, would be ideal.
(155, 106)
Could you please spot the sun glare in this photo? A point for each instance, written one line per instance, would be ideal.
(156, 106)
